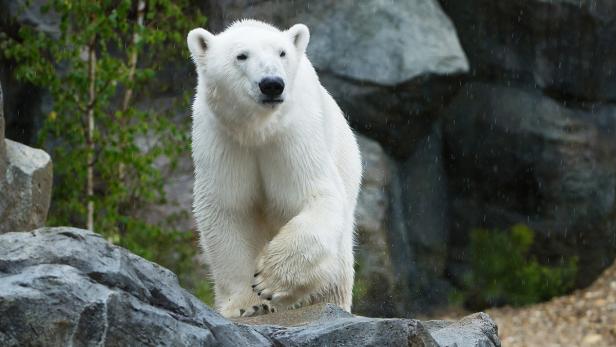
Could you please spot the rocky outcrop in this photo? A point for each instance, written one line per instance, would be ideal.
(516, 156)
(25, 184)
(328, 325)
(66, 286)
(390, 64)
(562, 46)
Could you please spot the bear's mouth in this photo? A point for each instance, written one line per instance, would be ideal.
(272, 101)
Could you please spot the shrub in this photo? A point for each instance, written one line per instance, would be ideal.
(503, 271)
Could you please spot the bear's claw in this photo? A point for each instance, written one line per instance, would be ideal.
(256, 310)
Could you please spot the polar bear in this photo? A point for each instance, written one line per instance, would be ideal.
(277, 172)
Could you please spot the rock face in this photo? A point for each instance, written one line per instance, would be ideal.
(419, 225)
(25, 184)
(376, 288)
(563, 46)
(389, 78)
(66, 286)
(514, 155)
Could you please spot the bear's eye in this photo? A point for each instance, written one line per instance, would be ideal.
(282, 54)
(242, 57)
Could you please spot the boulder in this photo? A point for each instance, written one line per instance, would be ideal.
(328, 325)
(514, 156)
(67, 286)
(390, 64)
(565, 47)
(25, 189)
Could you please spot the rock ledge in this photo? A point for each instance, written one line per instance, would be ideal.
(67, 286)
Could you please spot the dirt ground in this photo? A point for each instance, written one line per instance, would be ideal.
(584, 318)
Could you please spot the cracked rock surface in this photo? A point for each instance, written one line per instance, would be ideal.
(66, 286)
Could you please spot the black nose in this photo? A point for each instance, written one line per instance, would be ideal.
(271, 86)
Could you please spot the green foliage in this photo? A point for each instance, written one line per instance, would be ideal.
(503, 272)
(104, 59)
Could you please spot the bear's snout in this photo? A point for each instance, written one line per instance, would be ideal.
(271, 87)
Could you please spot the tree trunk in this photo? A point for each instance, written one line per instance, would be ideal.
(132, 60)
(90, 133)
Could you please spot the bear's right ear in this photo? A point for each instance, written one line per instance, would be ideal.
(300, 35)
(199, 40)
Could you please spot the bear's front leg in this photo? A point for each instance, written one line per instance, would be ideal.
(231, 242)
(305, 259)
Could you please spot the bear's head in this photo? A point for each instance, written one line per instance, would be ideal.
(250, 65)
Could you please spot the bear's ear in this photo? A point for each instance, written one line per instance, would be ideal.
(199, 41)
(300, 35)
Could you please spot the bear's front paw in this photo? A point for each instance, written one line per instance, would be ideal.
(236, 310)
(286, 276)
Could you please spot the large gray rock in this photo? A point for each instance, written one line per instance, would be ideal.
(351, 40)
(388, 63)
(563, 46)
(25, 188)
(516, 156)
(476, 330)
(328, 325)
(66, 286)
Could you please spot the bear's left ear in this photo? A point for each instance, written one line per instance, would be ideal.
(300, 35)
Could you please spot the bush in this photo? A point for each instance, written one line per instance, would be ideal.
(503, 272)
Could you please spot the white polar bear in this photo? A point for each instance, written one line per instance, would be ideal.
(277, 172)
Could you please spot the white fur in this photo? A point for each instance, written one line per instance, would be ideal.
(275, 185)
